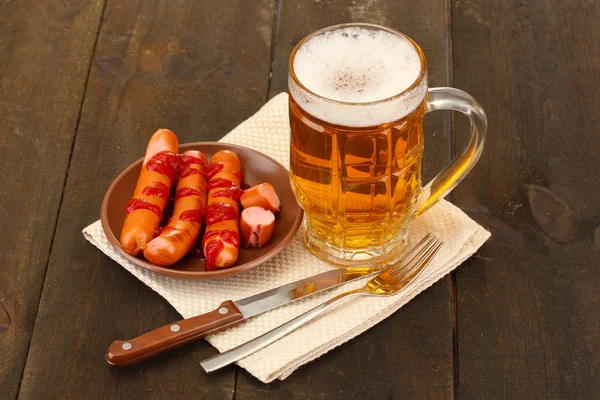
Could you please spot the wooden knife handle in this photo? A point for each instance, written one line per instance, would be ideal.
(122, 353)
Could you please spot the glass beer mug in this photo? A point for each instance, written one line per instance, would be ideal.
(358, 94)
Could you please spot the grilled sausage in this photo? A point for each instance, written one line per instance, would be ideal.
(151, 195)
(221, 239)
(179, 236)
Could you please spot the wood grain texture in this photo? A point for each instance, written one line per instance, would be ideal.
(528, 304)
(45, 50)
(198, 68)
(409, 355)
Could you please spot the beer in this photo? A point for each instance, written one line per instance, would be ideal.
(357, 100)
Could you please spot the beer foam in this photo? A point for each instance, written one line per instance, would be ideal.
(358, 65)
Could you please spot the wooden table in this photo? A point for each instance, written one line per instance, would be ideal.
(83, 83)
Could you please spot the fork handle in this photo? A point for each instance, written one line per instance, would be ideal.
(254, 345)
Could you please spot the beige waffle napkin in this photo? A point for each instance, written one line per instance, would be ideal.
(268, 131)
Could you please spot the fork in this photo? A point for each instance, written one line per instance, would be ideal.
(390, 281)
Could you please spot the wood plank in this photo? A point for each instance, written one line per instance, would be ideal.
(45, 51)
(199, 68)
(410, 353)
(528, 315)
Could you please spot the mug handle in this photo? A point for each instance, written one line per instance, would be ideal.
(446, 98)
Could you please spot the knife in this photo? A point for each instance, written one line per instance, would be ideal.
(228, 314)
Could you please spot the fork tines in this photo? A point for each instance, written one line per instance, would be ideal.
(418, 258)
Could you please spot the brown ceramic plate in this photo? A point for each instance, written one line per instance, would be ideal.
(257, 168)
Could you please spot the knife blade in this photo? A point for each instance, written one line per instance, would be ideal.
(228, 314)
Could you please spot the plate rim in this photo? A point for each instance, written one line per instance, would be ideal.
(237, 269)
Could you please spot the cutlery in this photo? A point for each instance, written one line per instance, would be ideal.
(390, 281)
(228, 314)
